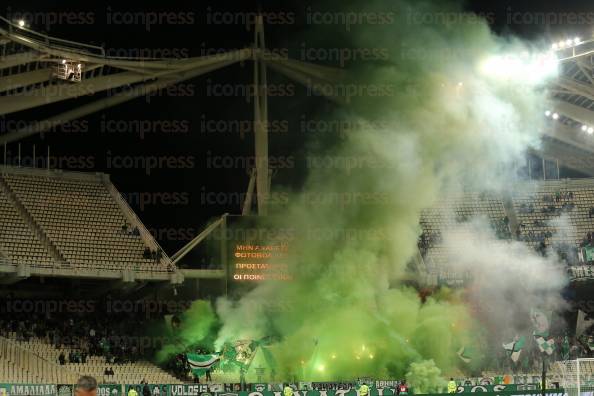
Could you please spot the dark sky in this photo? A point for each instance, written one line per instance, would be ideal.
(173, 194)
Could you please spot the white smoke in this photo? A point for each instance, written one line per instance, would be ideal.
(507, 278)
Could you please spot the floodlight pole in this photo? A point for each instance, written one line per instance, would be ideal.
(247, 203)
(261, 120)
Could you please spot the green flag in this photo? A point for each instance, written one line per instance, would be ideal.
(546, 345)
(200, 363)
(589, 253)
(515, 347)
(465, 354)
(565, 348)
(541, 323)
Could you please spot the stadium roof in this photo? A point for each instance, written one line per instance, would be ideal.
(39, 70)
(572, 97)
(30, 62)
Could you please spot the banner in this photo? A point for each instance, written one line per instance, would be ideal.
(65, 389)
(320, 386)
(497, 388)
(28, 389)
(189, 390)
(518, 392)
(180, 389)
(156, 389)
(379, 388)
(486, 390)
(109, 390)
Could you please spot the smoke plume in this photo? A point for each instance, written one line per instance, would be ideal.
(432, 117)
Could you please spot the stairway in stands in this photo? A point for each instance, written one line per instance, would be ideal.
(130, 373)
(19, 365)
(35, 228)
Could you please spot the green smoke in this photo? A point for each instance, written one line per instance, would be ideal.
(438, 123)
(196, 327)
(425, 377)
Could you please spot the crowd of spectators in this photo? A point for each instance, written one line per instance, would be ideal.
(584, 252)
(538, 232)
(127, 229)
(119, 337)
(526, 208)
(148, 253)
(74, 356)
(531, 358)
(151, 254)
(427, 239)
(588, 240)
(178, 365)
(501, 228)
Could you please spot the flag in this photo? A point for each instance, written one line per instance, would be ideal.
(200, 363)
(541, 323)
(589, 253)
(545, 345)
(590, 342)
(464, 354)
(515, 347)
(565, 348)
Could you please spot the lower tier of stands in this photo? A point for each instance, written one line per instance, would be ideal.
(36, 361)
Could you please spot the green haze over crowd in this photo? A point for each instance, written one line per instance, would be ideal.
(438, 124)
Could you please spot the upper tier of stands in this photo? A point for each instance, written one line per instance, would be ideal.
(546, 214)
(559, 208)
(18, 241)
(72, 220)
(455, 211)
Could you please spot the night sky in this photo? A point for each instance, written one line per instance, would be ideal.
(176, 208)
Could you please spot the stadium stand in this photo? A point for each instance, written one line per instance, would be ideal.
(557, 214)
(548, 214)
(19, 365)
(35, 361)
(71, 225)
(545, 213)
(73, 220)
(81, 340)
(455, 210)
(18, 242)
